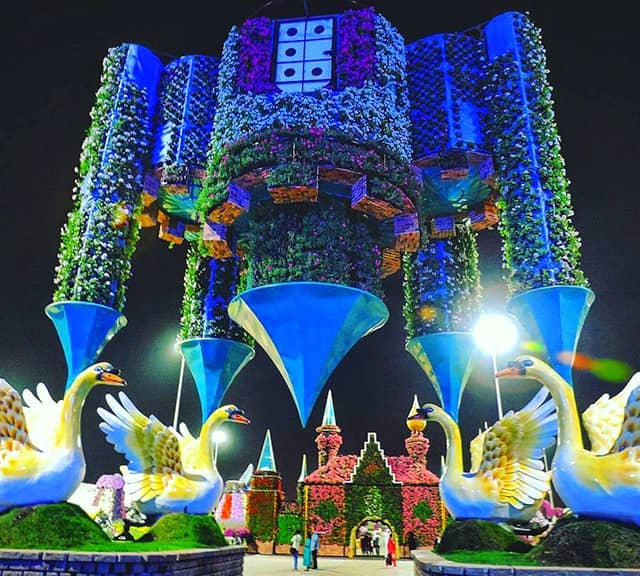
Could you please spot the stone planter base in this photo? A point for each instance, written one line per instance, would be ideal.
(226, 561)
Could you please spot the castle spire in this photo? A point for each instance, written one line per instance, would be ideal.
(303, 469)
(329, 439)
(267, 460)
(329, 418)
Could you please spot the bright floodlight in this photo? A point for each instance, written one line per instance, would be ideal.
(219, 436)
(495, 333)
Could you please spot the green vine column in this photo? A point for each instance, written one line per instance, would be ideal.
(100, 236)
(209, 286)
(540, 245)
(441, 283)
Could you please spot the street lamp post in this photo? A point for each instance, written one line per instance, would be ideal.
(178, 394)
(218, 437)
(495, 334)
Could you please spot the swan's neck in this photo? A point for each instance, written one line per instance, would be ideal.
(205, 446)
(569, 432)
(68, 435)
(453, 459)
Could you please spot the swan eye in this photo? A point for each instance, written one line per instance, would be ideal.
(527, 363)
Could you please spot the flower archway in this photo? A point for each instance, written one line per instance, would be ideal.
(354, 530)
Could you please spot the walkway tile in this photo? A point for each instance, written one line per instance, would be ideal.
(266, 565)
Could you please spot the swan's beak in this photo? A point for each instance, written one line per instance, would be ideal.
(112, 378)
(512, 370)
(239, 417)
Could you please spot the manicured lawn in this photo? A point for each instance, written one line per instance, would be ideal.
(492, 557)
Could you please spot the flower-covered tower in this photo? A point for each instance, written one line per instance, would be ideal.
(265, 497)
(329, 439)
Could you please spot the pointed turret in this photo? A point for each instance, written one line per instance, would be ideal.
(329, 439)
(265, 494)
(303, 469)
(416, 444)
(329, 418)
(267, 460)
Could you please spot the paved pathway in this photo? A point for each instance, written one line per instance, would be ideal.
(266, 565)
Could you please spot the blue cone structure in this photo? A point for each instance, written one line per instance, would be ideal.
(214, 363)
(554, 316)
(84, 329)
(307, 328)
(447, 359)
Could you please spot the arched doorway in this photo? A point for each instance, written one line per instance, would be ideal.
(370, 524)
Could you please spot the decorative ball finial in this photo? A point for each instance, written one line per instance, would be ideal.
(415, 425)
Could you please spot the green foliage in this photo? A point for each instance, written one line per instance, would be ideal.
(422, 511)
(288, 523)
(372, 469)
(386, 502)
(442, 284)
(327, 510)
(200, 530)
(479, 535)
(593, 543)
(98, 241)
(499, 558)
(49, 526)
(320, 242)
(540, 245)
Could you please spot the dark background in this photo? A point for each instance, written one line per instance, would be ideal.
(51, 64)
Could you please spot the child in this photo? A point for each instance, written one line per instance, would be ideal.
(391, 553)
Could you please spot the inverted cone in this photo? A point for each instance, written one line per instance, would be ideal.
(214, 363)
(84, 329)
(447, 359)
(554, 316)
(307, 328)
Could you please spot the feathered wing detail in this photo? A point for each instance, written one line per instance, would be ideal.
(13, 425)
(188, 448)
(151, 448)
(513, 449)
(603, 419)
(41, 410)
(630, 430)
(475, 450)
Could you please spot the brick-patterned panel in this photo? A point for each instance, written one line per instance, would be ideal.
(226, 561)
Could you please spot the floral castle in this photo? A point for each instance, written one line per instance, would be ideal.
(342, 494)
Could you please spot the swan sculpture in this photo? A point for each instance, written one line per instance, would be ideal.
(41, 456)
(167, 471)
(593, 485)
(509, 482)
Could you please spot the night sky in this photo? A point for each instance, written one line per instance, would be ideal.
(52, 59)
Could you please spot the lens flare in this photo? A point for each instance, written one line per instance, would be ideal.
(607, 369)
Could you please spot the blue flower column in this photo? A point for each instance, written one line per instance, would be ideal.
(442, 293)
(210, 343)
(541, 248)
(100, 236)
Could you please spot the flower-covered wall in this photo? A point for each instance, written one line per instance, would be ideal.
(102, 231)
(317, 170)
(540, 245)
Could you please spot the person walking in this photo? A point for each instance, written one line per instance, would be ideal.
(315, 546)
(391, 552)
(296, 541)
(307, 558)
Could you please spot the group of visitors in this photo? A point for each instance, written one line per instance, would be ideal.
(380, 542)
(310, 550)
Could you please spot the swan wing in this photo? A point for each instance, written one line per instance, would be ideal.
(151, 448)
(513, 449)
(603, 419)
(14, 436)
(188, 448)
(629, 438)
(475, 450)
(41, 410)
